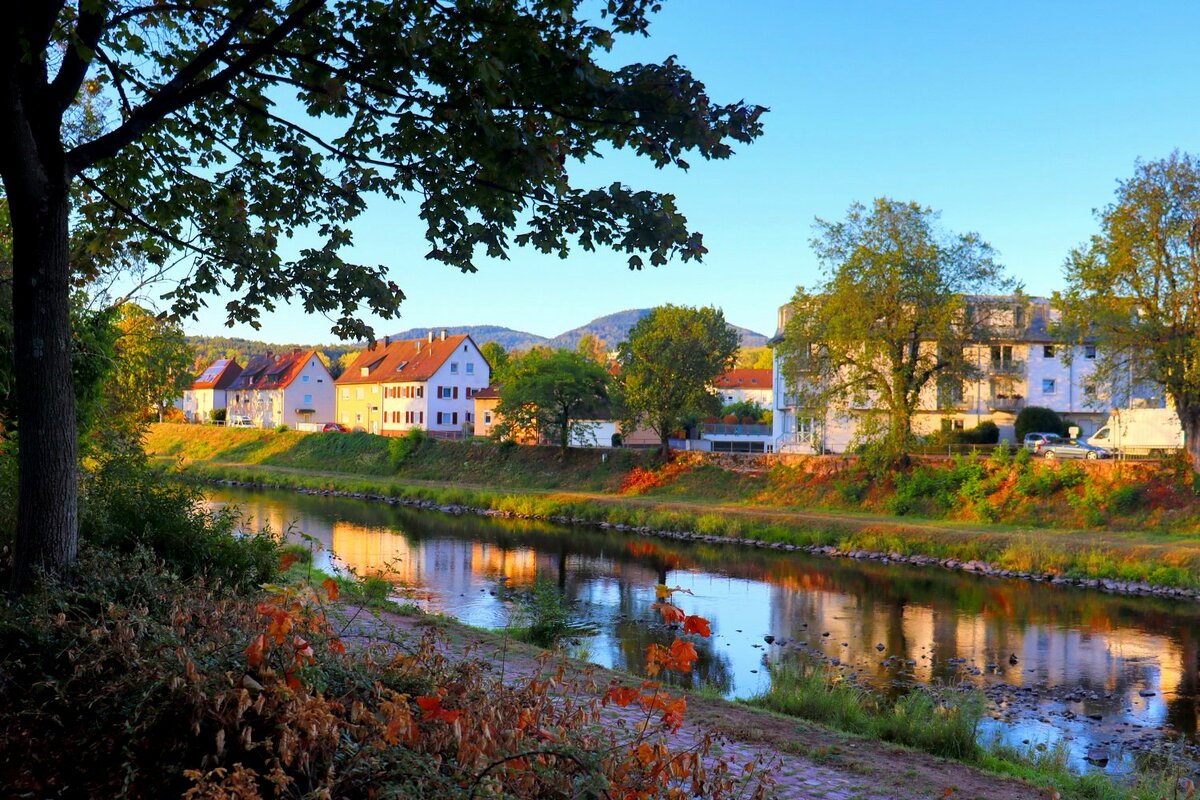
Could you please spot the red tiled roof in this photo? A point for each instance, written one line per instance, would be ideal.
(401, 361)
(273, 372)
(219, 375)
(745, 379)
(490, 393)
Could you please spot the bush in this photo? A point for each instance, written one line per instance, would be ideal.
(282, 429)
(217, 414)
(403, 448)
(1037, 419)
(126, 505)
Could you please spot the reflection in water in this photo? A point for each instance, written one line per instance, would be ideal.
(1093, 669)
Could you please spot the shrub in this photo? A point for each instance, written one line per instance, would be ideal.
(1037, 419)
(282, 429)
(403, 448)
(125, 505)
(217, 414)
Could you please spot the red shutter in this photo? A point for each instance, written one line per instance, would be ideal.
(455, 392)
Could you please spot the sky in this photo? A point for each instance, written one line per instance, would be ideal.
(1015, 120)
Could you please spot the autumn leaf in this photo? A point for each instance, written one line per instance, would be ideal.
(683, 656)
(672, 615)
(697, 625)
(254, 652)
(286, 560)
(620, 695)
(331, 588)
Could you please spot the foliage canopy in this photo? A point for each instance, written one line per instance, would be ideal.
(669, 363)
(889, 320)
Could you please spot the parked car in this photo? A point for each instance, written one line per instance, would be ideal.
(1035, 441)
(334, 427)
(1072, 448)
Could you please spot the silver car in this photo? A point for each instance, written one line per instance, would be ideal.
(1072, 448)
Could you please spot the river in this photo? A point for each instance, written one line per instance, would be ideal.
(1105, 674)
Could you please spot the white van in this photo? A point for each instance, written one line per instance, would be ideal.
(1140, 432)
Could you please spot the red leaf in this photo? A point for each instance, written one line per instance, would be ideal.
(698, 625)
(286, 560)
(254, 652)
(331, 588)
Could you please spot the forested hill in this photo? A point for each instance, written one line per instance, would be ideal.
(611, 329)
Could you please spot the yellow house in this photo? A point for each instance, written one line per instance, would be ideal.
(427, 383)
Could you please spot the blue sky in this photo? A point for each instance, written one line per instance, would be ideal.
(1014, 120)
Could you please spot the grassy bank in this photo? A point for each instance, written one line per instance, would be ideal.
(945, 722)
(1143, 532)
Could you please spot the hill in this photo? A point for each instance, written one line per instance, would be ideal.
(614, 328)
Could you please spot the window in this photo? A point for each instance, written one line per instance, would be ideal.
(468, 416)
(1048, 386)
(453, 367)
(358, 394)
(1002, 355)
(957, 424)
(308, 400)
(304, 379)
(487, 418)
(375, 389)
(345, 395)
(470, 368)
(1089, 351)
(345, 419)
(1048, 351)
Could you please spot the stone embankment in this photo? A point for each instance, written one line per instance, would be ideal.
(978, 567)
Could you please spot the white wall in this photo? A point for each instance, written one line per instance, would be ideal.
(312, 388)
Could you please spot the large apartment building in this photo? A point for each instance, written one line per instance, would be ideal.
(427, 383)
(1020, 364)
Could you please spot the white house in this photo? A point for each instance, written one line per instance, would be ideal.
(282, 390)
(1021, 364)
(425, 383)
(207, 392)
(739, 385)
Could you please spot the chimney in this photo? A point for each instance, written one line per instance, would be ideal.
(443, 337)
(418, 345)
(387, 340)
(429, 338)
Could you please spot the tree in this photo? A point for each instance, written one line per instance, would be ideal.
(891, 316)
(1038, 419)
(152, 364)
(496, 356)
(593, 348)
(755, 358)
(552, 392)
(1134, 289)
(220, 130)
(669, 363)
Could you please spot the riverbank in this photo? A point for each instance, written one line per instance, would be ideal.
(807, 759)
(706, 500)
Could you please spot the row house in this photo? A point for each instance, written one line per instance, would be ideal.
(397, 385)
(1020, 364)
(738, 385)
(284, 389)
(208, 392)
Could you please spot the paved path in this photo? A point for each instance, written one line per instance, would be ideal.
(807, 761)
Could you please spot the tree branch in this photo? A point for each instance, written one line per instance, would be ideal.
(79, 54)
(180, 90)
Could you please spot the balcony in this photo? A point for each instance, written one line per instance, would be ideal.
(1011, 403)
(722, 429)
(1008, 367)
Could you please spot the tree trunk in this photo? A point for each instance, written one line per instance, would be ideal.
(1189, 417)
(47, 504)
